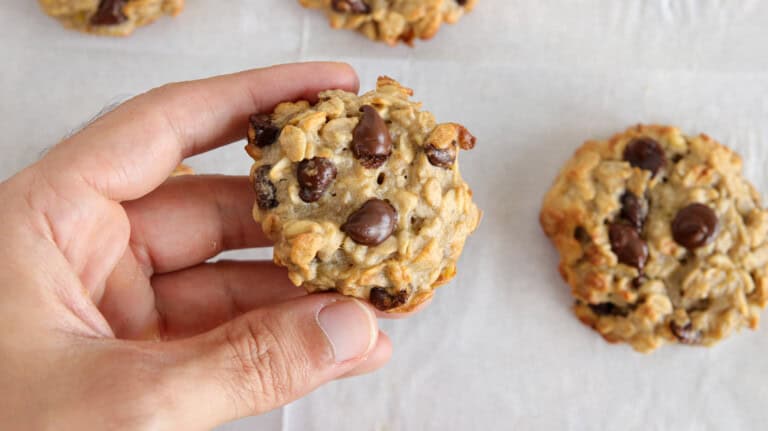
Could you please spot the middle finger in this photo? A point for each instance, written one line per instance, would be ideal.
(190, 219)
(203, 297)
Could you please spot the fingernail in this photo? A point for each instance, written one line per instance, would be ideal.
(350, 328)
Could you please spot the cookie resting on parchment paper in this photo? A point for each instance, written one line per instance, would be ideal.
(392, 21)
(109, 17)
(660, 238)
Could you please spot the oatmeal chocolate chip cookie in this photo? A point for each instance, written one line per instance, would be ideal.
(661, 238)
(109, 17)
(392, 21)
(362, 194)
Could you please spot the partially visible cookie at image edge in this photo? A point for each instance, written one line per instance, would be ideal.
(661, 238)
(109, 17)
(392, 21)
(362, 194)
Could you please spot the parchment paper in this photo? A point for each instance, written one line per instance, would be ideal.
(498, 349)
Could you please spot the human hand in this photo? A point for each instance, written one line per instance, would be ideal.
(112, 317)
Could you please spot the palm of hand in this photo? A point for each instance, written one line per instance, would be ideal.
(102, 251)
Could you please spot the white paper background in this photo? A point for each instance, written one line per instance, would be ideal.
(498, 348)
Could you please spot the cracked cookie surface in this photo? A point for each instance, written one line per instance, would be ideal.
(362, 194)
(109, 17)
(392, 21)
(660, 238)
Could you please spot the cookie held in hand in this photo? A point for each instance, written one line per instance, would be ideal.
(392, 21)
(109, 17)
(362, 194)
(660, 238)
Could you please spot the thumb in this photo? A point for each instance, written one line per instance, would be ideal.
(267, 358)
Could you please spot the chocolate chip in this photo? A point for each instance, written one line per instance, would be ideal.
(607, 309)
(638, 282)
(315, 176)
(109, 12)
(384, 300)
(264, 132)
(461, 2)
(626, 243)
(442, 158)
(632, 210)
(686, 334)
(581, 235)
(372, 223)
(353, 6)
(371, 143)
(417, 223)
(694, 226)
(645, 153)
(467, 140)
(266, 193)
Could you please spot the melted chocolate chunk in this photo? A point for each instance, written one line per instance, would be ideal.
(371, 142)
(265, 133)
(632, 210)
(645, 153)
(607, 309)
(372, 224)
(694, 226)
(109, 12)
(315, 176)
(686, 334)
(581, 235)
(266, 193)
(442, 158)
(350, 6)
(638, 282)
(383, 300)
(626, 243)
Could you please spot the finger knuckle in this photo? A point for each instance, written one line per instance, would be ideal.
(264, 377)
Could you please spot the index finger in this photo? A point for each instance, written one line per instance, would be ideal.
(131, 150)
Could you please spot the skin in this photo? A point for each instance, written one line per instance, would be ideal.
(112, 318)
